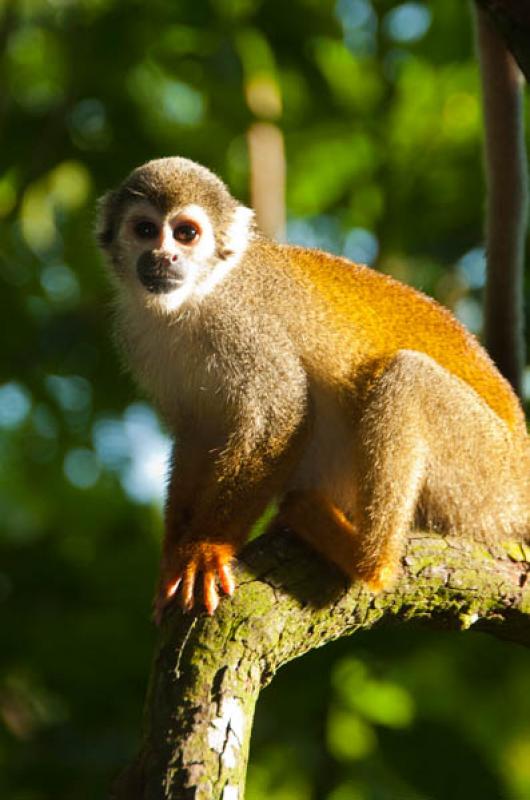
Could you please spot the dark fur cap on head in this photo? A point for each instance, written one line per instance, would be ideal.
(166, 183)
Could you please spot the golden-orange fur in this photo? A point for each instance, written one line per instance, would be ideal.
(378, 316)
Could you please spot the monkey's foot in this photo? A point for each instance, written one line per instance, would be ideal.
(382, 578)
(195, 565)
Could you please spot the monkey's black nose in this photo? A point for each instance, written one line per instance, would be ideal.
(158, 272)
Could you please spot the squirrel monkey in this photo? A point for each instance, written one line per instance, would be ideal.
(288, 373)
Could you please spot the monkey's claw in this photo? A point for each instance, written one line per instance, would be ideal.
(382, 578)
(196, 567)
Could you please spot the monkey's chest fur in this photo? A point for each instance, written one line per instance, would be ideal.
(214, 363)
(177, 365)
(228, 373)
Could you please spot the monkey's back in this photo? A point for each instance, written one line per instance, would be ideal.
(388, 316)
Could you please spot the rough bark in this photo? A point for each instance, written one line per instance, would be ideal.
(506, 196)
(208, 671)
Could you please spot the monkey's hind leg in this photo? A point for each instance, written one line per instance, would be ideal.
(390, 470)
(430, 449)
(368, 553)
(392, 462)
(318, 521)
(424, 441)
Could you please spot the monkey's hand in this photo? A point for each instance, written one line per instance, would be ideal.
(195, 564)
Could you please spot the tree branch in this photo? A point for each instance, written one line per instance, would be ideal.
(208, 671)
(507, 200)
(512, 20)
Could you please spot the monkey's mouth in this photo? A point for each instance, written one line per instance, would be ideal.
(158, 278)
(160, 284)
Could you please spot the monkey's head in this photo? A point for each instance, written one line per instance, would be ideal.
(172, 231)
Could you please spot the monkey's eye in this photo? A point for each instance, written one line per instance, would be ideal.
(145, 229)
(186, 232)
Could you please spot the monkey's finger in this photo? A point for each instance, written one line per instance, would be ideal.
(160, 603)
(226, 578)
(188, 588)
(211, 596)
(172, 588)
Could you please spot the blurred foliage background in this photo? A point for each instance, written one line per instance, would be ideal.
(378, 104)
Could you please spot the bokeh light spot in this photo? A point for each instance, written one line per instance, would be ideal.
(407, 22)
(15, 403)
(82, 468)
(361, 246)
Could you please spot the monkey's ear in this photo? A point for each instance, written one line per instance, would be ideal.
(106, 211)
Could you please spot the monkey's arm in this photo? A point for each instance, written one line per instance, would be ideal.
(215, 497)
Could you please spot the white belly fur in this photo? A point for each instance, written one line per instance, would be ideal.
(328, 462)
